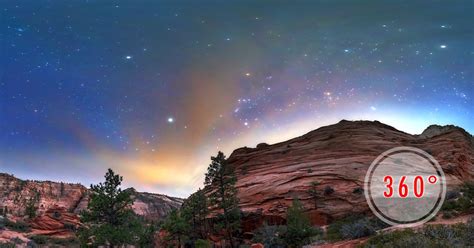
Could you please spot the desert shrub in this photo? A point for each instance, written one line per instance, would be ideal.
(2, 223)
(270, 236)
(42, 240)
(469, 231)
(16, 240)
(353, 227)
(358, 190)
(39, 239)
(201, 243)
(245, 169)
(461, 201)
(357, 229)
(452, 194)
(449, 205)
(328, 190)
(70, 226)
(19, 226)
(448, 214)
(404, 238)
(444, 235)
(431, 236)
(7, 245)
(67, 242)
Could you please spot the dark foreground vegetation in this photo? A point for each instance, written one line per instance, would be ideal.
(431, 236)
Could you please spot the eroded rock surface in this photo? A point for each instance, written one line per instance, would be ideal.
(337, 158)
(58, 204)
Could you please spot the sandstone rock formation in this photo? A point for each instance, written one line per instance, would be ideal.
(56, 221)
(15, 194)
(154, 206)
(337, 158)
(58, 204)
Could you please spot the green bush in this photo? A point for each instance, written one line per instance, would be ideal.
(459, 202)
(358, 229)
(353, 227)
(270, 236)
(452, 194)
(299, 231)
(201, 243)
(70, 226)
(2, 223)
(49, 241)
(19, 226)
(448, 214)
(67, 242)
(7, 245)
(358, 191)
(39, 239)
(16, 240)
(328, 190)
(404, 238)
(444, 235)
(469, 232)
(431, 236)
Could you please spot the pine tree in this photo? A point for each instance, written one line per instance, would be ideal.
(31, 207)
(176, 227)
(109, 217)
(314, 193)
(221, 178)
(195, 210)
(299, 229)
(109, 203)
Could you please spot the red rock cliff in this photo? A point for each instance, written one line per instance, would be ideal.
(15, 194)
(336, 156)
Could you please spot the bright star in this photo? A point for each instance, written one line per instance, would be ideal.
(128, 57)
(170, 119)
(442, 46)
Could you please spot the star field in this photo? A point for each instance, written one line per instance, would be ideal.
(153, 89)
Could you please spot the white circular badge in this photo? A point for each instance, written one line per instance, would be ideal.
(405, 185)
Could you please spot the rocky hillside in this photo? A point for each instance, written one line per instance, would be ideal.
(16, 194)
(337, 157)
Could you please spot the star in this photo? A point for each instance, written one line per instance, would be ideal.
(128, 57)
(442, 46)
(170, 119)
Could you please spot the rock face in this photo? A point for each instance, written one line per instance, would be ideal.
(16, 194)
(154, 206)
(56, 221)
(337, 157)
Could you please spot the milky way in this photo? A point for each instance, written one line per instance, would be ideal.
(152, 89)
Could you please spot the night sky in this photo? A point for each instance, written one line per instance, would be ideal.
(152, 89)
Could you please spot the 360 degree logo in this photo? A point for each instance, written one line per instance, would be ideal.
(405, 185)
